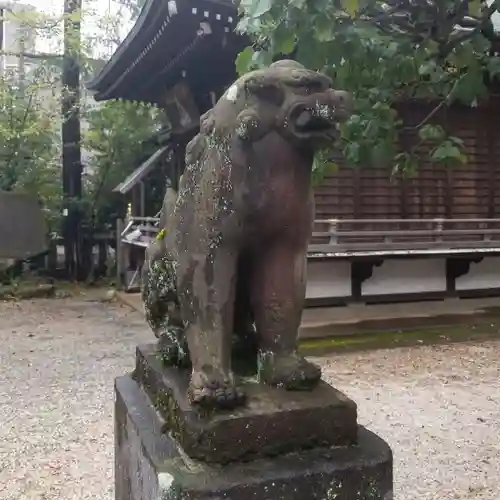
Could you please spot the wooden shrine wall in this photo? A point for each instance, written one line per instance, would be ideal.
(466, 191)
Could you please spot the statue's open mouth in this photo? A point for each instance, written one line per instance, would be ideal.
(308, 121)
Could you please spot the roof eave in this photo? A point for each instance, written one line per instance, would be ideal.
(154, 19)
(148, 13)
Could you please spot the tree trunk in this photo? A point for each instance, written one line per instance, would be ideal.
(71, 138)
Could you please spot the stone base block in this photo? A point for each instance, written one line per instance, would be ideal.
(150, 465)
(272, 422)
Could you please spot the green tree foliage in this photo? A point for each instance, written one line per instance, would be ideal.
(114, 135)
(29, 150)
(133, 6)
(118, 137)
(384, 53)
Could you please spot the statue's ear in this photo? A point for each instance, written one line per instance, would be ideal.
(268, 90)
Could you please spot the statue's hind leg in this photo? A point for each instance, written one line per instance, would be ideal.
(206, 284)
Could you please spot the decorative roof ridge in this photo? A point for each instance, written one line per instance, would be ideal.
(160, 20)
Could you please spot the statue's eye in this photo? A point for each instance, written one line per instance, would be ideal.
(270, 93)
(314, 87)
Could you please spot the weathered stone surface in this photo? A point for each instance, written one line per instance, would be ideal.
(22, 225)
(224, 282)
(150, 465)
(272, 422)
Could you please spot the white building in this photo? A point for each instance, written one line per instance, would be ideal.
(17, 35)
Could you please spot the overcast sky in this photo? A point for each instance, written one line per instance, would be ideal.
(47, 6)
(104, 6)
(55, 7)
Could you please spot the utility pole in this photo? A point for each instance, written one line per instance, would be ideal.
(21, 68)
(71, 139)
(2, 29)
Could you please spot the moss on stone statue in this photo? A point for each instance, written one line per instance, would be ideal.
(165, 403)
(289, 371)
(220, 211)
(162, 309)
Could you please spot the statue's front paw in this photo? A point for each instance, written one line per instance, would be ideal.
(213, 389)
(288, 371)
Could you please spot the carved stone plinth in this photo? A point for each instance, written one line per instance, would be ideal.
(281, 446)
(272, 422)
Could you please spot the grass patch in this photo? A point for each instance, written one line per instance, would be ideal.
(21, 291)
(484, 329)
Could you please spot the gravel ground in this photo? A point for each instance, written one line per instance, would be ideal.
(438, 407)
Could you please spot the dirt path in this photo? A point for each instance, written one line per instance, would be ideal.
(439, 408)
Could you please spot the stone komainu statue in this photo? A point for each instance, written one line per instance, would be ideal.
(231, 260)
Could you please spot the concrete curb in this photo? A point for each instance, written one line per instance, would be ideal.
(467, 322)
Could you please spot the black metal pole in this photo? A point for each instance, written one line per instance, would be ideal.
(71, 139)
(2, 14)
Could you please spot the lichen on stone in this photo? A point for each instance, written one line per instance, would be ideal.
(168, 489)
(232, 93)
(162, 308)
(213, 220)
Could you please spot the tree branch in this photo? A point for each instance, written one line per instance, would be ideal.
(466, 35)
(31, 55)
(436, 110)
(430, 19)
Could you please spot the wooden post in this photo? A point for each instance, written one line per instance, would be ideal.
(102, 246)
(490, 131)
(333, 231)
(119, 254)
(52, 257)
(142, 199)
(439, 229)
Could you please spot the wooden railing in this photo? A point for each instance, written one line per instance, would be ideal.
(365, 234)
(354, 235)
(138, 231)
(133, 236)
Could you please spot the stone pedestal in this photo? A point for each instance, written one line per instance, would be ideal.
(281, 446)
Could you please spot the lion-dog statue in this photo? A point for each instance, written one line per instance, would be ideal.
(230, 258)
